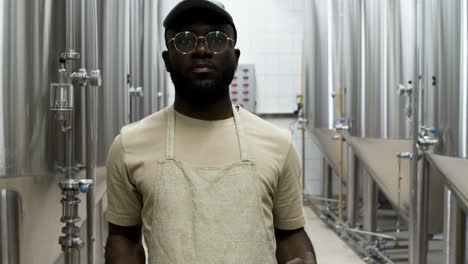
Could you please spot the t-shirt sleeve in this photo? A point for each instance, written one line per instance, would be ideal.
(288, 210)
(124, 201)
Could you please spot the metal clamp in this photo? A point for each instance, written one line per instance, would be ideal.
(426, 138)
(70, 202)
(95, 78)
(82, 78)
(70, 55)
(342, 125)
(136, 91)
(405, 89)
(404, 155)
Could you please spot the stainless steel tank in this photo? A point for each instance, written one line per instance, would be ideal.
(444, 106)
(29, 55)
(318, 64)
(33, 35)
(350, 79)
(114, 110)
(323, 69)
(445, 75)
(147, 70)
(387, 63)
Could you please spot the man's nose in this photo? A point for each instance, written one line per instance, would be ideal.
(201, 49)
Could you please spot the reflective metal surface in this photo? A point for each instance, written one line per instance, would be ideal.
(454, 230)
(154, 70)
(388, 35)
(29, 55)
(445, 74)
(114, 98)
(10, 229)
(351, 60)
(318, 83)
(32, 37)
(147, 70)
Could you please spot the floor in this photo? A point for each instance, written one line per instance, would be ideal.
(329, 248)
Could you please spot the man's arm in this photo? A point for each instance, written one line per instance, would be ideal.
(124, 245)
(294, 247)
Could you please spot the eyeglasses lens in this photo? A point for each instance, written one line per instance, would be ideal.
(216, 41)
(185, 41)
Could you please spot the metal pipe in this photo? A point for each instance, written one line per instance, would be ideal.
(303, 141)
(352, 197)
(417, 223)
(370, 204)
(327, 190)
(92, 62)
(371, 234)
(70, 24)
(322, 199)
(453, 230)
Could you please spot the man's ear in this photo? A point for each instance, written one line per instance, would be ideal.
(165, 55)
(238, 53)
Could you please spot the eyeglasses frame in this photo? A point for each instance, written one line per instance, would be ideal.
(200, 37)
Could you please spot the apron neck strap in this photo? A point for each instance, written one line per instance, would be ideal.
(171, 134)
(240, 135)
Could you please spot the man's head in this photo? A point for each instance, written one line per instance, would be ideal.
(201, 58)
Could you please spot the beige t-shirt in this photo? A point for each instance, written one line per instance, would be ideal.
(134, 155)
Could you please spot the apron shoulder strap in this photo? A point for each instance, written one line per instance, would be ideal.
(240, 134)
(170, 133)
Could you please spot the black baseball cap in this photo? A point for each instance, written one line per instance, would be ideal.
(214, 6)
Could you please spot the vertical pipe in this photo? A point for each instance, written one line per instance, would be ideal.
(136, 43)
(340, 153)
(370, 204)
(352, 188)
(448, 227)
(418, 247)
(4, 226)
(92, 63)
(303, 157)
(454, 230)
(327, 180)
(70, 24)
(463, 114)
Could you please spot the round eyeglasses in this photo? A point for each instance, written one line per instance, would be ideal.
(186, 42)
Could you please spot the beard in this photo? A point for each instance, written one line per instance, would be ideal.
(203, 91)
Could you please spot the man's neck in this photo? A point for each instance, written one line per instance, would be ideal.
(211, 111)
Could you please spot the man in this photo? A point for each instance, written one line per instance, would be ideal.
(206, 182)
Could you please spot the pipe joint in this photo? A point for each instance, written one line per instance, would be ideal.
(405, 90)
(95, 78)
(342, 125)
(404, 155)
(70, 55)
(79, 78)
(136, 91)
(82, 78)
(426, 138)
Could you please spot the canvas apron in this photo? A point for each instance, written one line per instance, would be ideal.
(208, 214)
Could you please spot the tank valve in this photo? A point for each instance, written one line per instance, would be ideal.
(136, 91)
(426, 138)
(342, 124)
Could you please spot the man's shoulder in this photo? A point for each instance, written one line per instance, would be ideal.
(144, 130)
(260, 129)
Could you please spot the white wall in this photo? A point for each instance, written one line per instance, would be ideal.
(270, 35)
